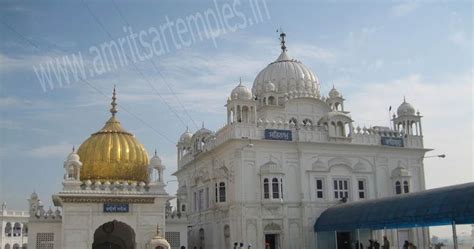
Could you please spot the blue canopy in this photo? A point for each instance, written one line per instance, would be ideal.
(432, 207)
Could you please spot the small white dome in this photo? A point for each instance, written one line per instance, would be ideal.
(155, 160)
(334, 93)
(186, 136)
(203, 132)
(73, 156)
(241, 92)
(405, 109)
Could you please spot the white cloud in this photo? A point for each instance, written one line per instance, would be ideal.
(403, 8)
(51, 151)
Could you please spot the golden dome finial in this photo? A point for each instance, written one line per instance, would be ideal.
(113, 154)
(114, 110)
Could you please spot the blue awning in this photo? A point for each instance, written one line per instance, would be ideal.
(432, 207)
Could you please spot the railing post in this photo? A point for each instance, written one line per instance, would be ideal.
(455, 237)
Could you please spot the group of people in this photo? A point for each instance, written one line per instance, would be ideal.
(374, 244)
(408, 245)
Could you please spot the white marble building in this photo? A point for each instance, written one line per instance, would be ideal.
(14, 228)
(286, 154)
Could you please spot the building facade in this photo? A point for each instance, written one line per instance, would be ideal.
(14, 227)
(286, 154)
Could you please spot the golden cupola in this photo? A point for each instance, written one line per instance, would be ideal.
(113, 154)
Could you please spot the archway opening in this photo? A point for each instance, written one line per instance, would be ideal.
(114, 235)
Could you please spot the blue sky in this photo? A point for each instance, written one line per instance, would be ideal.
(374, 53)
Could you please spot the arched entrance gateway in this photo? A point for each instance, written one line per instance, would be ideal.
(114, 235)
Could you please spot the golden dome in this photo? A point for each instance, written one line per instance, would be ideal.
(113, 154)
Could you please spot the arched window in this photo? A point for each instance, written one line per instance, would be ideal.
(398, 188)
(307, 122)
(340, 129)
(275, 189)
(266, 189)
(220, 192)
(271, 100)
(245, 114)
(406, 187)
(183, 208)
(8, 230)
(16, 246)
(293, 121)
(7, 246)
(25, 229)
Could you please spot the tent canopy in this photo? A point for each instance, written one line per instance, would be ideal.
(432, 207)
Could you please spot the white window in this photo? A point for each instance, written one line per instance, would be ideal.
(195, 202)
(341, 189)
(398, 187)
(361, 189)
(266, 189)
(207, 198)
(273, 188)
(220, 192)
(319, 188)
(201, 200)
(406, 187)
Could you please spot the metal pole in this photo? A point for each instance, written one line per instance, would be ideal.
(455, 237)
(335, 236)
(417, 240)
(358, 239)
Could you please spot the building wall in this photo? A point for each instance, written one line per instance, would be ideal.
(81, 220)
(298, 164)
(39, 227)
(13, 217)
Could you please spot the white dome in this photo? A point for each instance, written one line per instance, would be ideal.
(241, 92)
(334, 93)
(186, 136)
(287, 75)
(203, 132)
(73, 156)
(405, 109)
(155, 160)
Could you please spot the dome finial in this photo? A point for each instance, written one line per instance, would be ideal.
(73, 149)
(202, 124)
(404, 99)
(282, 39)
(156, 153)
(240, 81)
(113, 110)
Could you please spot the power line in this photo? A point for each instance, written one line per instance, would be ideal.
(34, 45)
(141, 74)
(124, 20)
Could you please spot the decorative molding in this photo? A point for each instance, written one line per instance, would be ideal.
(101, 199)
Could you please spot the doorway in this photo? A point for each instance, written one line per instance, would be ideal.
(272, 241)
(343, 240)
(114, 235)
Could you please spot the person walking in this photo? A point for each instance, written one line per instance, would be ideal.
(406, 244)
(376, 245)
(386, 243)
